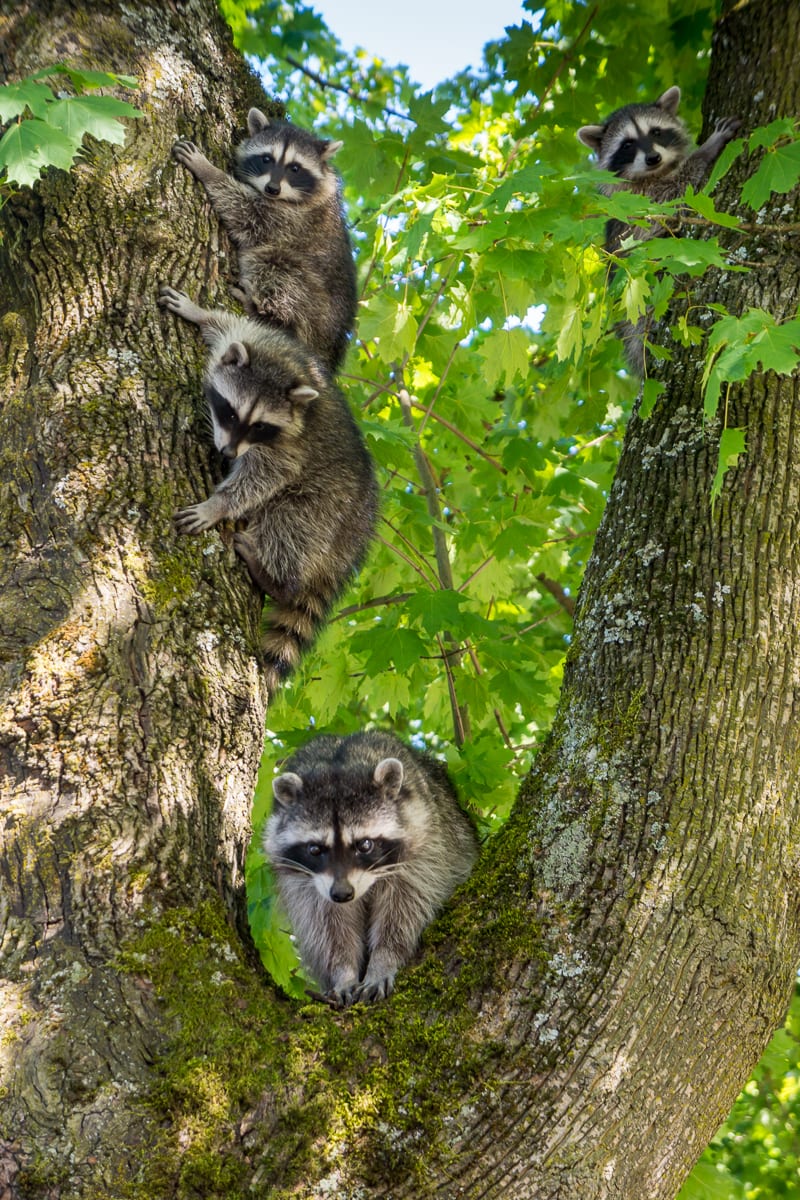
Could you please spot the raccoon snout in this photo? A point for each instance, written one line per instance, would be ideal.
(228, 452)
(652, 159)
(342, 891)
(272, 190)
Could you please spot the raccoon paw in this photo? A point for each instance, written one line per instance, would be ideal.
(175, 301)
(375, 989)
(197, 517)
(727, 127)
(243, 297)
(341, 997)
(190, 156)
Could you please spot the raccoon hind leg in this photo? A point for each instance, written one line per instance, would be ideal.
(281, 591)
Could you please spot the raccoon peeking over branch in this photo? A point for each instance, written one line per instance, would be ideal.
(283, 211)
(367, 841)
(300, 473)
(647, 147)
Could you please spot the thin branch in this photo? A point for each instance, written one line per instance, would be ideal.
(432, 583)
(566, 57)
(429, 411)
(431, 497)
(375, 602)
(557, 592)
(496, 711)
(341, 87)
(458, 713)
(386, 389)
(463, 587)
(476, 449)
(374, 260)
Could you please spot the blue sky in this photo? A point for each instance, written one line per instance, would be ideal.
(434, 38)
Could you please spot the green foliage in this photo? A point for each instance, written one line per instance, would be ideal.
(756, 1153)
(739, 346)
(779, 169)
(47, 130)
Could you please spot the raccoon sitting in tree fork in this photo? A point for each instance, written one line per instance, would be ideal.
(283, 210)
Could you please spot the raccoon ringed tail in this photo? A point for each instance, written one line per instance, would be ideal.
(291, 628)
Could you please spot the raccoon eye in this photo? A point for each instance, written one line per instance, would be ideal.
(314, 849)
(267, 159)
(259, 427)
(656, 132)
(628, 142)
(294, 168)
(365, 845)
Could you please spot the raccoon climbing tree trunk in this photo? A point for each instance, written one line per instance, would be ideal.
(586, 1014)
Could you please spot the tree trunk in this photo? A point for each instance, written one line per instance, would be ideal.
(585, 1016)
(132, 707)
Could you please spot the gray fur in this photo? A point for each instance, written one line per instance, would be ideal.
(657, 133)
(308, 491)
(296, 265)
(357, 924)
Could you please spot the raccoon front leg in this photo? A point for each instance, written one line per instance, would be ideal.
(210, 322)
(399, 915)
(245, 546)
(696, 168)
(192, 157)
(725, 131)
(330, 937)
(232, 201)
(198, 517)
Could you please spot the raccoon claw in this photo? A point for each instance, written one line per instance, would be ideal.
(175, 301)
(377, 989)
(188, 155)
(196, 518)
(243, 297)
(728, 127)
(359, 993)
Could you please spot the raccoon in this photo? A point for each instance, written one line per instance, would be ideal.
(647, 147)
(367, 842)
(284, 212)
(300, 474)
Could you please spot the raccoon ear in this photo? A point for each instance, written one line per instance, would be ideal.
(303, 394)
(256, 121)
(591, 136)
(287, 788)
(237, 355)
(389, 776)
(670, 100)
(330, 148)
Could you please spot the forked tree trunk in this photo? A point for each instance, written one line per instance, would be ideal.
(584, 1017)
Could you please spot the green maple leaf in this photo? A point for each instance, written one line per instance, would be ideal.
(30, 146)
(16, 97)
(778, 171)
(505, 353)
(96, 115)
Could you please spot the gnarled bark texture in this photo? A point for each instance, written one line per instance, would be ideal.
(586, 1014)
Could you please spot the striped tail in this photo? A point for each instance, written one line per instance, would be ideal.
(290, 629)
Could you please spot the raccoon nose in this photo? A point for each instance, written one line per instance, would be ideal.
(273, 190)
(653, 158)
(229, 452)
(342, 891)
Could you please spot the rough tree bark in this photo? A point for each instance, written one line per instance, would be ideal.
(585, 1015)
